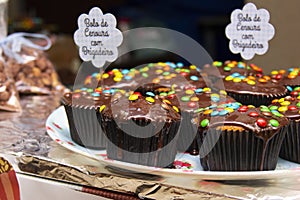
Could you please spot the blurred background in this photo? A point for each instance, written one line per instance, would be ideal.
(204, 21)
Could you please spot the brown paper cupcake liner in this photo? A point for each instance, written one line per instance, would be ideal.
(256, 100)
(290, 149)
(158, 150)
(187, 141)
(239, 151)
(85, 127)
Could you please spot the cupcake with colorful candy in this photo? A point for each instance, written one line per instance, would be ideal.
(229, 67)
(142, 130)
(191, 101)
(253, 90)
(289, 78)
(84, 109)
(240, 138)
(289, 106)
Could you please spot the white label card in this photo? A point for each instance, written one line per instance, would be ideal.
(249, 31)
(97, 37)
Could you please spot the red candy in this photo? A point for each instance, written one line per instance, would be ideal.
(183, 74)
(243, 109)
(253, 114)
(294, 94)
(138, 93)
(278, 76)
(292, 108)
(171, 96)
(261, 122)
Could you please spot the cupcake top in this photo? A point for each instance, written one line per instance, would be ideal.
(288, 106)
(164, 74)
(97, 98)
(262, 121)
(229, 67)
(193, 100)
(136, 106)
(289, 77)
(238, 83)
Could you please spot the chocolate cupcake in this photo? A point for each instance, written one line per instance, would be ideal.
(229, 67)
(83, 108)
(191, 101)
(289, 78)
(142, 130)
(289, 106)
(245, 139)
(250, 90)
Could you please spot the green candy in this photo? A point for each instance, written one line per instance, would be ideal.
(166, 73)
(163, 94)
(198, 110)
(227, 69)
(185, 98)
(274, 123)
(145, 75)
(274, 107)
(298, 104)
(204, 123)
(171, 92)
(277, 114)
(264, 110)
(90, 90)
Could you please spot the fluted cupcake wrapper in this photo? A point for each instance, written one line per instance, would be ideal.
(158, 150)
(290, 149)
(239, 151)
(187, 134)
(252, 99)
(85, 127)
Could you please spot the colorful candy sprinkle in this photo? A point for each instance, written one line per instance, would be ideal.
(102, 108)
(274, 123)
(204, 123)
(261, 122)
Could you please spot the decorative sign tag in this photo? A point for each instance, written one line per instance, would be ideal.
(249, 31)
(97, 37)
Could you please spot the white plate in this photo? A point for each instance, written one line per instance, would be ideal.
(58, 129)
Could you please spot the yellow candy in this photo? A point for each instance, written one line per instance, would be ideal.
(281, 100)
(117, 79)
(285, 103)
(162, 64)
(150, 99)
(77, 90)
(193, 67)
(194, 99)
(274, 72)
(175, 108)
(207, 112)
(206, 89)
(133, 97)
(105, 75)
(282, 108)
(251, 106)
(237, 80)
(159, 71)
(229, 109)
(298, 97)
(228, 78)
(190, 92)
(102, 108)
(98, 76)
(251, 82)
